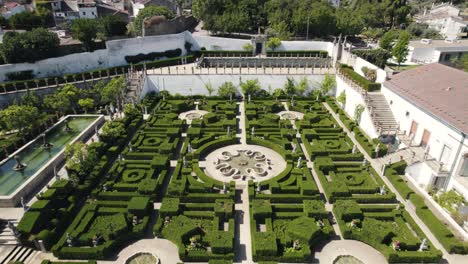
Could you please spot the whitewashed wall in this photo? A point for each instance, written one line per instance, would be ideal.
(114, 55)
(306, 45)
(353, 98)
(196, 84)
(359, 63)
(217, 43)
(441, 133)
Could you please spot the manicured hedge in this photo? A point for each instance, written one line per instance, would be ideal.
(153, 56)
(358, 79)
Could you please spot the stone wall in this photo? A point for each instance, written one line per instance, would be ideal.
(196, 84)
(113, 55)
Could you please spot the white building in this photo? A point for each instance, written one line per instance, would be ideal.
(429, 51)
(430, 104)
(68, 10)
(446, 19)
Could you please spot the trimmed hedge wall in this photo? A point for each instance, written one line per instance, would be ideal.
(358, 79)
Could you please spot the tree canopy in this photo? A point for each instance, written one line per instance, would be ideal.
(19, 117)
(149, 11)
(85, 30)
(29, 46)
(286, 18)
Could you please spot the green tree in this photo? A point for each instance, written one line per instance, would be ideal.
(86, 104)
(273, 43)
(227, 89)
(209, 88)
(400, 50)
(147, 12)
(342, 98)
(387, 40)
(111, 131)
(461, 62)
(247, 47)
(347, 22)
(112, 90)
(23, 118)
(113, 26)
(85, 30)
(327, 84)
(278, 92)
(29, 46)
(30, 98)
(25, 20)
(302, 86)
(358, 110)
(80, 158)
(251, 87)
(64, 100)
(289, 87)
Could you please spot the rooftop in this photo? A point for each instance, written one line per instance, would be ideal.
(438, 89)
(439, 43)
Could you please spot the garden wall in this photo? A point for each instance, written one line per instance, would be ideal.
(353, 98)
(357, 63)
(196, 84)
(113, 55)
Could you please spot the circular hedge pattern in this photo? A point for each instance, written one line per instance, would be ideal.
(332, 144)
(152, 141)
(353, 179)
(133, 175)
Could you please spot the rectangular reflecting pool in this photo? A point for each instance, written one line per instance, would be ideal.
(35, 157)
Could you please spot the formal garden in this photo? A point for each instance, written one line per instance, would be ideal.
(108, 201)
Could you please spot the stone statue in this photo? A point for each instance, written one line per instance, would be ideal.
(45, 144)
(189, 148)
(23, 204)
(69, 240)
(253, 131)
(354, 149)
(259, 187)
(382, 190)
(184, 162)
(229, 131)
(423, 245)
(248, 98)
(67, 126)
(130, 148)
(299, 162)
(18, 166)
(364, 162)
(320, 223)
(377, 148)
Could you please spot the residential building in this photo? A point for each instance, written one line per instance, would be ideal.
(446, 19)
(68, 10)
(429, 51)
(430, 105)
(12, 8)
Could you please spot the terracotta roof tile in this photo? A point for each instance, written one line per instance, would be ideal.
(438, 89)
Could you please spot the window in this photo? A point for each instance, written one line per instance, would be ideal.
(447, 57)
(464, 168)
(84, 13)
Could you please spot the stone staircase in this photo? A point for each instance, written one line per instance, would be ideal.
(7, 236)
(380, 113)
(19, 253)
(135, 81)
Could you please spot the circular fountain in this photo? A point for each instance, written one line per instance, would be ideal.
(290, 115)
(244, 162)
(191, 115)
